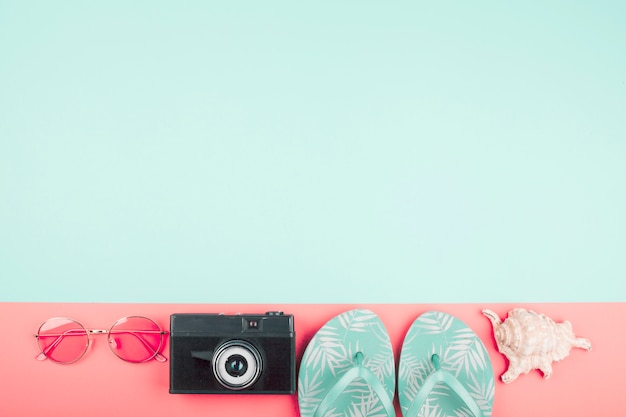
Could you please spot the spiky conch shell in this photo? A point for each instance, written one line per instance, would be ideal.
(531, 340)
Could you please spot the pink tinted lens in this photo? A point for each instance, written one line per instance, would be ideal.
(135, 339)
(63, 340)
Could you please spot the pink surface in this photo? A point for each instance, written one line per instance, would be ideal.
(100, 384)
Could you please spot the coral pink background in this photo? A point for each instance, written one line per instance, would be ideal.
(584, 384)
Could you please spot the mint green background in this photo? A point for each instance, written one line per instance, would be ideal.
(313, 152)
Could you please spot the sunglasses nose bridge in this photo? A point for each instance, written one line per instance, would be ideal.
(95, 332)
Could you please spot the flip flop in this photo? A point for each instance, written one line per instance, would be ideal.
(444, 369)
(348, 369)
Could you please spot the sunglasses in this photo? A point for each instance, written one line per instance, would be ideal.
(133, 339)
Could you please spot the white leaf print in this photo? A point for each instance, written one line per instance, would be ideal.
(356, 320)
(434, 322)
(429, 410)
(308, 389)
(482, 392)
(367, 406)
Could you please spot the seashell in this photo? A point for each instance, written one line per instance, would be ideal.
(532, 341)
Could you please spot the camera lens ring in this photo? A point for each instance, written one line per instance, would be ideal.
(241, 355)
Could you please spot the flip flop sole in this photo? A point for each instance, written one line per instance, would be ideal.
(331, 354)
(460, 352)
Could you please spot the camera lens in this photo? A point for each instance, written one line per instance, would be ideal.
(237, 364)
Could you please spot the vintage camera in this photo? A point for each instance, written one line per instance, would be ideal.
(217, 353)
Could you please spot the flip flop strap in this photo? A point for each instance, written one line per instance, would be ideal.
(359, 371)
(440, 375)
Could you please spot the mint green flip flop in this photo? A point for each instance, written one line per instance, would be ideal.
(348, 369)
(444, 369)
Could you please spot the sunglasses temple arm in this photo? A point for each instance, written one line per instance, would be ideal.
(138, 334)
(43, 355)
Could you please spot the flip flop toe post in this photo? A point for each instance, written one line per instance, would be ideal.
(444, 369)
(348, 369)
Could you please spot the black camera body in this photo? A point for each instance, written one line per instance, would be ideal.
(221, 354)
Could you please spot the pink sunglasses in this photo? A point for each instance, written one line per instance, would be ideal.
(133, 339)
